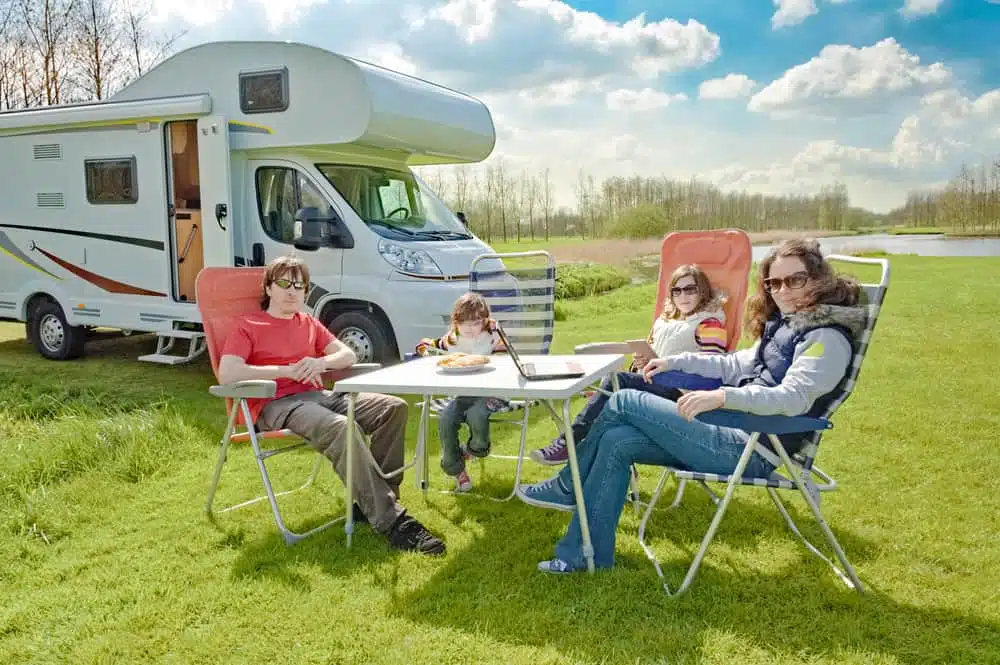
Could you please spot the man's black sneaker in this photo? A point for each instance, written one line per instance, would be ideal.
(409, 534)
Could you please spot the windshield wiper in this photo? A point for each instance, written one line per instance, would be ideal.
(379, 222)
(445, 235)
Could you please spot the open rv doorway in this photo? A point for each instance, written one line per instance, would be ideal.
(184, 207)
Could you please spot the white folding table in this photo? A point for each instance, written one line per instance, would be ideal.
(501, 378)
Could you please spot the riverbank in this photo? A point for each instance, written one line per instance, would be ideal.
(619, 252)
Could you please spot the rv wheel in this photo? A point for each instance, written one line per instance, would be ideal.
(363, 333)
(52, 336)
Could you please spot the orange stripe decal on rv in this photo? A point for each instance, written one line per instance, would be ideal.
(105, 283)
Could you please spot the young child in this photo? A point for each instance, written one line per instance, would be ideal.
(471, 331)
(692, 320)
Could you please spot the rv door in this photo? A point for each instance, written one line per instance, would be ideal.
(216, 195)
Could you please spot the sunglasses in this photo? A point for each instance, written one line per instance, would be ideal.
(689, 290)
(794, 281)
(286, 283)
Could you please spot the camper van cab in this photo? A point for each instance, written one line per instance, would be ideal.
(231, 154)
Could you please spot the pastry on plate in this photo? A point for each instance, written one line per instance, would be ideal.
(463, 360)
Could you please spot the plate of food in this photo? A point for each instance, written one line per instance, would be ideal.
(463, 363)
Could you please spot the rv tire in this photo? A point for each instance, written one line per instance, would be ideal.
(364, 333)
(52, 336)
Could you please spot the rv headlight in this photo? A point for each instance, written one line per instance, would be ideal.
(404, 259)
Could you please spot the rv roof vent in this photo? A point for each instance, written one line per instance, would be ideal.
(50, 200)
(47, 151)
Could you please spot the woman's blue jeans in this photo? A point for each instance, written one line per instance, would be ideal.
(638, 427)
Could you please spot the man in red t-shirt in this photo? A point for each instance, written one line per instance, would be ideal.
(284, 344)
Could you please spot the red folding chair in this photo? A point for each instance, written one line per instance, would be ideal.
(224, 296)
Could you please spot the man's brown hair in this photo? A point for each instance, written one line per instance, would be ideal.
(287, 267)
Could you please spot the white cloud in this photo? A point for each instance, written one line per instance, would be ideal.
(947, 129)
(844, 80)
(793, 12)
(277, 13)
(533, 42)
(645, 99)
(912, 9)
(730, 86)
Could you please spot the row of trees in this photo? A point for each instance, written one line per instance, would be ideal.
(505, 205)
(970, 202)
(65, 51)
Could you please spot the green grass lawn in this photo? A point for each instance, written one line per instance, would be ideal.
(108, 556)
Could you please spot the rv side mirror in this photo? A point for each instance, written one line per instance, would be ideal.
(461, 218)
(312, 229)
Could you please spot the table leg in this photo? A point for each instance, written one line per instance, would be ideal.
(349, 467)
(425, 422)
(581, 509)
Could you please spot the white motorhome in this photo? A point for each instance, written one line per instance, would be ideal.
(233, 153)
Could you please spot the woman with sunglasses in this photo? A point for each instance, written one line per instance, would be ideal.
(805, 321)
(692, 320)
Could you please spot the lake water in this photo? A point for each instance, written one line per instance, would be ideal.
(921, 245)
(645, 268)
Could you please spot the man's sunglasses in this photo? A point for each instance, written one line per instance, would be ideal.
(690, 289)
(286, 283)
(794, 281)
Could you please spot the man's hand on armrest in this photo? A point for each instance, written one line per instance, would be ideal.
(233, 369)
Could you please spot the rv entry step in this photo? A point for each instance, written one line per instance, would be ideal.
(165, 344)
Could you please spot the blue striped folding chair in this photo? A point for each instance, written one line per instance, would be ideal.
(520, 290)
(800, 470)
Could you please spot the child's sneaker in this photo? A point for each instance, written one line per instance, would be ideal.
(554, 454)
(463, 482)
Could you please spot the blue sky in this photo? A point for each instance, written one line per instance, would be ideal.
(775, 96)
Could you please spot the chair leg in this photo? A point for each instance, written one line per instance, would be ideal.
(850, 578)
(720, 512)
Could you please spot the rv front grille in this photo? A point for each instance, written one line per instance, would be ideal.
(47, 151)
(50, 200)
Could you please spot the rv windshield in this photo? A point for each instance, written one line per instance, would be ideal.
(394, 203)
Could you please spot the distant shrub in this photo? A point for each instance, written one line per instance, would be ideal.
(577, 280)
(640, 222)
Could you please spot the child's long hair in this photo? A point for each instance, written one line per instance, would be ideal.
(825, 286)
(709, 298)
(470, 307)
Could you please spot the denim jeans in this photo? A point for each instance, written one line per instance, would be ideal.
(626, 380)
(474, 412)
(639, 427)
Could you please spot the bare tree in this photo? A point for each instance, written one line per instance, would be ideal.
(144, 48)
(48, 24)
(545, 198)
(501, 191)
(98, 49)
(529, 199)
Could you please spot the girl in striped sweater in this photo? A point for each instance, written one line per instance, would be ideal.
(692, 321)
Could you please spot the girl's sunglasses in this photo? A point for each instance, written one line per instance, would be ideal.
(690, 290)
(286, 283)
(794, 281)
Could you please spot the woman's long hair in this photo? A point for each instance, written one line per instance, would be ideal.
(824, 287)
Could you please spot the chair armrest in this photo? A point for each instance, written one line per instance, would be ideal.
(354, 370)
(250, 389)
(750, 422)
(673, 378)
(599, 348)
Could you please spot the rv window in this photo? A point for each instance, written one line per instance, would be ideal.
(281, 192)
(264, 92)
(111, 180)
